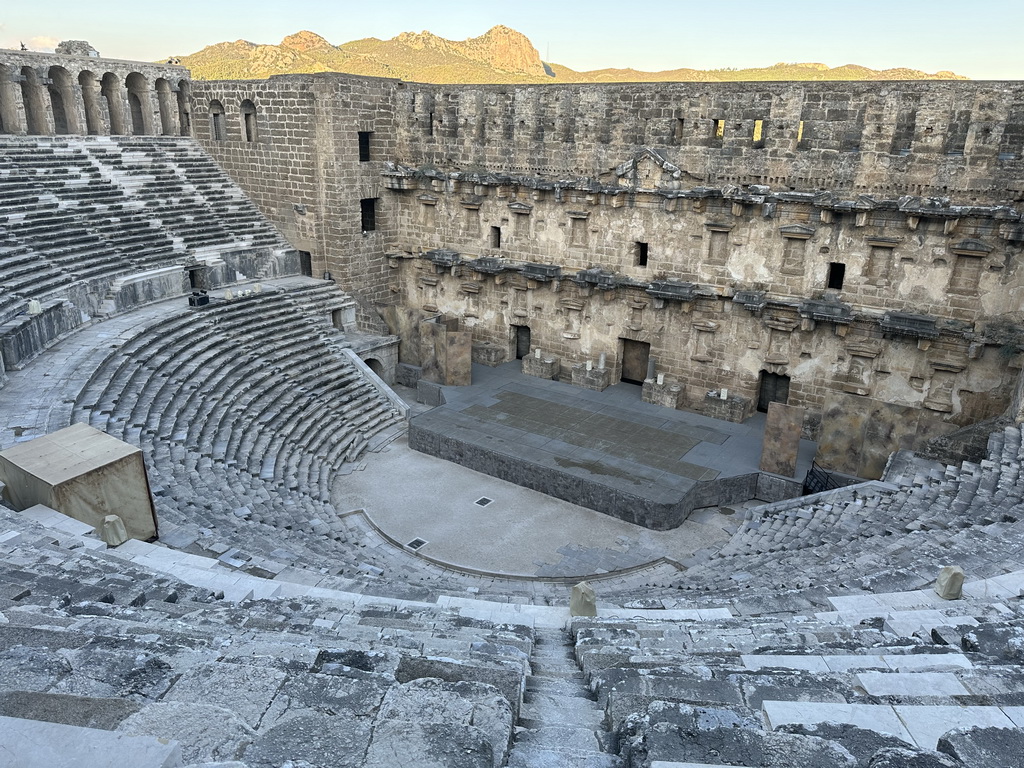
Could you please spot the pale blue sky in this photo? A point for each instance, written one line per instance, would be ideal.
(980, 41)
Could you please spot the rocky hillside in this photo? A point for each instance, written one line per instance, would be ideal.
(501, 55)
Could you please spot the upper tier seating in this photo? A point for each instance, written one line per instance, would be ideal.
(99, 207)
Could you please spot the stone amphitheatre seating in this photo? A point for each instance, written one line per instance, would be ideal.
(93, 641)
(247, 411)
(96, 208)
(880, 536)
(268, 626)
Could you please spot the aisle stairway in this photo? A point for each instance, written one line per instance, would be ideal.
(560, 723)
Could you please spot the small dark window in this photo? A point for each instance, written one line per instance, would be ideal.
(430, 125)
(718, 131)
(495, 237)
(364, 146)
(680, 124)
(640, 255)
(368, 213)
(306, 263)
(836, 273)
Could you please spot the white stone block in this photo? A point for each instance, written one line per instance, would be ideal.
(926, 724)
(874, 717)
(911, 684)
(807, 663)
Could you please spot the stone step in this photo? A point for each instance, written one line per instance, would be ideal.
(570, 685)
(534, 756)
(544, 709)
(919, 725)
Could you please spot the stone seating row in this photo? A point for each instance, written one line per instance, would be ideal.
(881, 536)
(96, 639)
(248, 404)
(91, 208)
(669, 688)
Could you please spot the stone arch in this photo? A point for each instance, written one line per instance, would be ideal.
(139, 104)
(10, 120)
(248, 112)
(375, 365)
(185, 107)
(62, 101)
(166, 105)
(92, 102)
(111, 90)
(217, 128)
(32, 98)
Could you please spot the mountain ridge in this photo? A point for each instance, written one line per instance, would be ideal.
(501, 55)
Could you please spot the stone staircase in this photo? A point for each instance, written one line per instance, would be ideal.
(560, 723)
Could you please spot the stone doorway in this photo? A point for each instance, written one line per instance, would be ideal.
(773, 388)
(635, 356)
(306, 263)
(522, 339)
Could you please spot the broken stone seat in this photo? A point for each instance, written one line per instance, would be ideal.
(91, 640)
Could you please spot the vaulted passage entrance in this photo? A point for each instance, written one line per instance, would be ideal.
(774, 388)
(635, 356)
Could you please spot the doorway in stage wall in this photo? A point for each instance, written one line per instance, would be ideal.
(635, 355)
(522, 336)
(306, 263)
(773, 388)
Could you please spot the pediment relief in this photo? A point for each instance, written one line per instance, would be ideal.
(798, 231)
(650, 169)
(971, 247)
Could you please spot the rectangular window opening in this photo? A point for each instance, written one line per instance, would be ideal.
(430, 125)
(368, 213)
(495, 237)
(364, 146)
(758, 133)
(836, 273)
(680, 124)
(800, 133)
(719, 133)
(249, 123)
(640, 254)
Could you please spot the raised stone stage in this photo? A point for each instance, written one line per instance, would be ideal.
(607, 451)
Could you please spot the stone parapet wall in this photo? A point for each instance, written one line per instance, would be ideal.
(901, 137)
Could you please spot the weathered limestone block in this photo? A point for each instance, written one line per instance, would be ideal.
(428, 745)
(991, 747)
(734, 408)
(668, 393)
(464, 703)
(488, 354)
(112, 531)
(597, 379)
(781, 439)
(204, 732)
(950, 582)
(583, 601)
(541, 367)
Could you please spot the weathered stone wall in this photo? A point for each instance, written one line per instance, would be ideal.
(920, 138)
(302, 165)
(740, 229)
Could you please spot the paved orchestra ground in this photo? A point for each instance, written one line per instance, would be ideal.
(410, 495)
